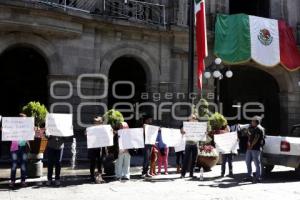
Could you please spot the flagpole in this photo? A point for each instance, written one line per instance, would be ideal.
(191, 48)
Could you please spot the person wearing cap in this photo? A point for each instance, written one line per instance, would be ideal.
(254, 148)
(95, 156)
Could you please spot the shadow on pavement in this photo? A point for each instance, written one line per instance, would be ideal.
(237, 180)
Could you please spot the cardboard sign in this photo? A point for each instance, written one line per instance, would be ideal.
(17, 128)
(227, 142)
(132, 138)
(150, 134)
(195, 131)
(60, 125)
(99, 136)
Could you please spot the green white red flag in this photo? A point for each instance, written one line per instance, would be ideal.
(201, 38)
(269, 42)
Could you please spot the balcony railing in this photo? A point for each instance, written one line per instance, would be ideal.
(133, 10)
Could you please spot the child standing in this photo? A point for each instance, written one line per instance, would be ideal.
(162, 154)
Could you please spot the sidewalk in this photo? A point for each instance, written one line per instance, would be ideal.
(76, 186)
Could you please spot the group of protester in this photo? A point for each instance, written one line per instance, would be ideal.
(152, 155)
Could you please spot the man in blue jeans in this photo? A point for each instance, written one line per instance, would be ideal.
(254, 148)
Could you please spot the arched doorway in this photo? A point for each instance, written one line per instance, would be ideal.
(127, 69)
(250, 84)
(23, 78)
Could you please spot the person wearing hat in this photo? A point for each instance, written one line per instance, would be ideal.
(95, 156)
(254, 147)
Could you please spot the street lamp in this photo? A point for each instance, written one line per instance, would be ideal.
(218, 72)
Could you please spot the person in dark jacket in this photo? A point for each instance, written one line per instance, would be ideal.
(254, 148)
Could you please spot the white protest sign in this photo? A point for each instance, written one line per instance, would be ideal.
(131, 138)
(226, 142)
(99, 136)
(195, 131)
(17, 128)
(150, 134)
(171, 137)
(60, 125)
(181, 145)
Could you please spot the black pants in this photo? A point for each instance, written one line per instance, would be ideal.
(146, 155)
(179, 158)
(96, 158)
(226, 158)
(191, 153)
(54, 159)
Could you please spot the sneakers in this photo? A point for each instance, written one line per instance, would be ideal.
(57, 183)
(248, 179)
(48, 183)
(23, 184)
(146, 175)
(12, 184)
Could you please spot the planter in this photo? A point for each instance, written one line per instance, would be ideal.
(207, 162)
(38, 145)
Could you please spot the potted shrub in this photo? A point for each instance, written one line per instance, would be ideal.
(38, 145)
(115, 119)
(208, 155)
(39, 112)
(217, 122)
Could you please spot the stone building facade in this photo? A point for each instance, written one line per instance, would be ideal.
(145, 43)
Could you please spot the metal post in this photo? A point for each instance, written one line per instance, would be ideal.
(191, 48)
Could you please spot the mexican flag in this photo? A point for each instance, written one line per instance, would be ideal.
(269, 42)
(200, 19)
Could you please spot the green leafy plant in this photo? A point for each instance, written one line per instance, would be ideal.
(217, 121)
(36, 110)
(114, 118)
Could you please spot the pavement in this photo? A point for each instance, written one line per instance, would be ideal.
(283, 183)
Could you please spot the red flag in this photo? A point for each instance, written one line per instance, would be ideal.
(289, 53)
(201, 38)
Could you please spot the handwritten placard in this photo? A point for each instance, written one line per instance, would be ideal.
(132, 138)
(227, 142)
(99, 136)
(150, 134)
(17, 128)
(60, 125)
(195, 131)
(171, 137)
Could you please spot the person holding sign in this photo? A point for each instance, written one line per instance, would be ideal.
(227, 157)
(147, 150)
(96, 156)
(191, 151)
(19, 151)
(123, 161)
